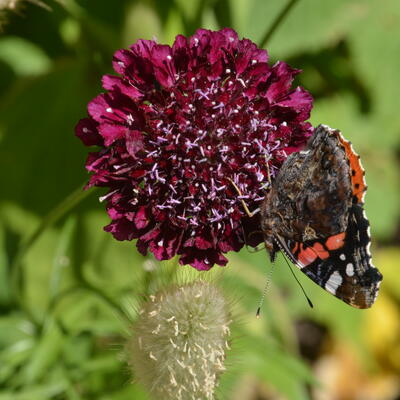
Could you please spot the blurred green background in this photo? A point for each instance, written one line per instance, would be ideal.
(61, 335)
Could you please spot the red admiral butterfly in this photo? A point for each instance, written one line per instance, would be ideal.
(314, 214)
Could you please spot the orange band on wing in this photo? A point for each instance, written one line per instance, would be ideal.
(356, 170)
(336, 241)
(321, 252)
(306, 256)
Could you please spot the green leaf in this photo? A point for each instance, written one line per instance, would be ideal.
(190, 9)
(35, 392)
(387, 260)
(173, 26)
(240, 13)
(271, 364)
(62, 257)
(310, 25)
(128, 392)
(19, 222)
(50, 156)
(13, 358)
(45, 354)
(16, 343)
(24, 57)
(5, 294)
(374, 41)
(13, 328)
(141, 22)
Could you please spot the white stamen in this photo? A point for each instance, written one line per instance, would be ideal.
(242, 82)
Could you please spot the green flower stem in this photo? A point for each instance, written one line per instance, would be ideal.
(17, 277)
(278, 20)
(109, 300)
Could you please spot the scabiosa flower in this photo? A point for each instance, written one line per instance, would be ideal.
(176, 127)
(179, 342)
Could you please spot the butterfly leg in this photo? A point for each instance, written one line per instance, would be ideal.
(248, 212)
(268, 184)
(268, 171)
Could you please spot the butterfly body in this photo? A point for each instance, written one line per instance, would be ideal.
(314, 214)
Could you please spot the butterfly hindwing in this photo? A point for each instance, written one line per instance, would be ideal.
(341, 264)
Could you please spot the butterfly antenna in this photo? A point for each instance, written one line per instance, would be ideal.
(265, 290)
(301, 286)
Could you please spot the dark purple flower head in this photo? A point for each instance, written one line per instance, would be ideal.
(175, 126)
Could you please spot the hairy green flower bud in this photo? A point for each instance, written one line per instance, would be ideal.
(179, 342)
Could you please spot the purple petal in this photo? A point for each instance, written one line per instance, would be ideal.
(86, 130)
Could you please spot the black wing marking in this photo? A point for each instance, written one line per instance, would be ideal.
(346, 271)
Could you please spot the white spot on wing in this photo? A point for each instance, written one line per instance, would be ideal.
(334, 281)
(342, 257)
(377, 290)
(350, 269)
(364, 215)
(367, 247)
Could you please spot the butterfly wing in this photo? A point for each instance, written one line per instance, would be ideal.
(314, 213)
(312, 193)
(340, 264)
